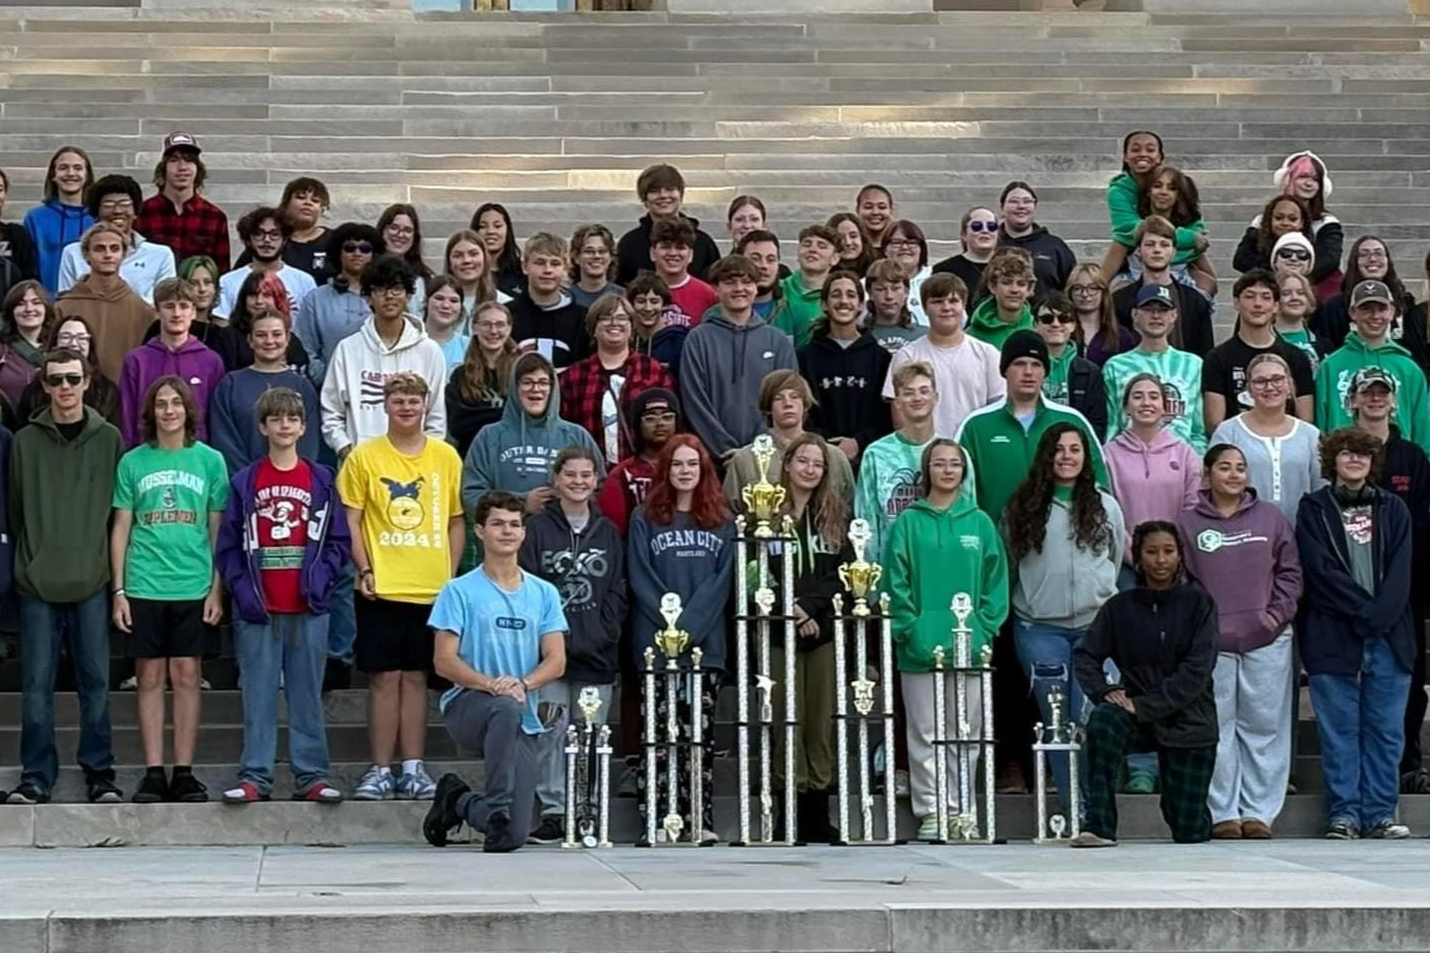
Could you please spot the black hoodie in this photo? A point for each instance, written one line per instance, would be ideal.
(1406, 473)
(848, 385)
(557, 333)
(588, 569)
(816, 580)
(1053, 260)
(633, 251)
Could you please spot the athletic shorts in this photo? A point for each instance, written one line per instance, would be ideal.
(161, 628)
(392, 636)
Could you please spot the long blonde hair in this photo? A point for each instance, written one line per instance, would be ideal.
(482, 382)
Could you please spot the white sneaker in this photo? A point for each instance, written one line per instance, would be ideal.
(1089, 839)
(928, 828)
(376, 785)
(129, 684)
(417, 786)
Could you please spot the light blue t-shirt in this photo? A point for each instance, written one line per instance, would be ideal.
(499, 632)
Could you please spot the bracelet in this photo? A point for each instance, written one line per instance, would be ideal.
(365, 572)
(118, 592)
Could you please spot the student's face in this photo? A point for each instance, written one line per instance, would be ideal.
(492, 229)
(65, 383)
(1304, 183)
(1019, 209)
(1142, 154)
(657, 426)
(1069, 458)
(399, 234)
(1154, 321)
(29, 314)
(981, 234)
(816, 255)
(916, 399)
(1227, 474)
(903, 251)
(1025, 378)
(388, 304)
(69, 174)
(492, 328)
(534, 391)
(503, 532)
(875, 211)
(1294, 300)
(75, 336)
(201, 282)
(118, 209)
(1372, 259)
(1257, 306)
(594, 258)
(266, 241)
(614, 330)
(1285, 217)
(1056, 327)
(851, 242)
(1269, 385)
(647, 309)
(544, 273)
(945, 313)
(766, 258)
(1292, 258)
(672, 259)
(181, 169)
(283, 431)
(806, 468)
(845, 302)
(467, 262)
(175, 316)
(1012, 291)
(663, 203)
(684, 470)
(1086, 296)
(104, 253)
(1163, 194)
(1145, 403)
(356, 255)
(1373, 404)
(787, 409)
(444, 307)
(258, 300)
(1158, 558)
(1372, 319)
(737, 293)
(1156, 251)
(405, 410)
(169, 412)
(268, 339)
(304, 209)
(576, 481)
(747, 218)
(889, 298)
(946, 468)
(1352, 468)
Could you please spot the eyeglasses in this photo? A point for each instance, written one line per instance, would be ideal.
(983, 226)
(1294, 254)
(392, 291)
(1276, 381)
(535, 385)
(55, 380)
(116, 205)
(659, 416)
(361, 248)
(1048, 317)
(72, 337)
(268, 235)
(901, 243)
(610, 320)
(1085, 290)
(1352, 455)
(1373, 254)
(402, 231)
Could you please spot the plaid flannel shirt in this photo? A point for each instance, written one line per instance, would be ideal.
(584, 386)
(202, 229)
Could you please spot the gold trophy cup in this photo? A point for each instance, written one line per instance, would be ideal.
(861, 576)
(671, 640)
(763, 498)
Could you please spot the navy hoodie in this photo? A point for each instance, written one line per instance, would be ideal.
(848, 385)
(1053, 260)
(691, 562)
(589, 570)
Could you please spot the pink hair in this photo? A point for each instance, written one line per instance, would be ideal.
(279, 293)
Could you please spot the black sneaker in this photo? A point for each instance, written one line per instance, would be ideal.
(1415, 782)
(337, 676)
(1341, 830)
(551, 830)
(28, 793)
(102, 790)
(187, 788)
(442, 817)
(153, 787)
(499, 839)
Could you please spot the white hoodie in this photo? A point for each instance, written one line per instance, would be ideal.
(360, 366)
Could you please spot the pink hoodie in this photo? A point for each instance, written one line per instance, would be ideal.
(1151, 481)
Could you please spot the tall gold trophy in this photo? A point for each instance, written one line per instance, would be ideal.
(672, 642)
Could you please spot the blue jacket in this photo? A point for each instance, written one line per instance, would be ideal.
(329, 545)
(1337, 615)
(53, 226)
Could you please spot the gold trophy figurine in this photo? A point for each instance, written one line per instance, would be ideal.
(672, 639)
(861, 576)
(763, 498)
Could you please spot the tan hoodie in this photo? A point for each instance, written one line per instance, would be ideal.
(117, 315)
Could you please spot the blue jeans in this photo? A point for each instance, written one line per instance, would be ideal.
(42, 626)
(295, 648)
(341, 620)
(1360, 720)
(1045, 651)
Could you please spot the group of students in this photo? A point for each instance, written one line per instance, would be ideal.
(1034, 429)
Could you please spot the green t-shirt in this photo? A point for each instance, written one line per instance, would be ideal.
(170, 494)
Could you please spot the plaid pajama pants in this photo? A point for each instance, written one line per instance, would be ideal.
(1186, 774)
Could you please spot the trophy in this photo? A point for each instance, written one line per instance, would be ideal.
(673, 677)
(969, 746)
(763, 498)
(1056, 739)
(588, 776)
(860, 577)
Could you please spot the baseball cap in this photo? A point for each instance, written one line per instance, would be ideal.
(175, 141)
(1368, 291)
(1367, 376)
(1155, 296)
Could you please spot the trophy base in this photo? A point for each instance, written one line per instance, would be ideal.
(769, 843)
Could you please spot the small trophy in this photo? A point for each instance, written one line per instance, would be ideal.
(860, 576)
(588, 773)
(763, 498)
(1056, 739)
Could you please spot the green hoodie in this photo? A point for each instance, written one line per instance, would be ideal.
(797, 310)
(985, 324)
(1000, 451)
(60, 496)
(933, 554)
(1122, 196)
(1333, 384)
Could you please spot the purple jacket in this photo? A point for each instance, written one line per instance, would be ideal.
(236, 555)
(199, 367)
(1249, 564)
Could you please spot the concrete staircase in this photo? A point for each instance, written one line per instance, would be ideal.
(555, 115)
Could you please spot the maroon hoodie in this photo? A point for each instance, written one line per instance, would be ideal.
(1248, 563)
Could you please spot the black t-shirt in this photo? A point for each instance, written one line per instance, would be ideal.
(1224, 371)
(970, 271)
(71, 430)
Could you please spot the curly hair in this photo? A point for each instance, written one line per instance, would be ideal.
(1356, 441)
(1265, 240)
(707, 505)
(827, 507)
(1188, 207)
(1027, 512)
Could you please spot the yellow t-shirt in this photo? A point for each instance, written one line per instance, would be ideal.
(406, 502)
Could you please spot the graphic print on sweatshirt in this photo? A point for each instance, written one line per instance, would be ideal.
(529, 460)
(903, 493)
(1175, 403)
(370, 388)
(1212, 540)
(573, 572)
(686, 543)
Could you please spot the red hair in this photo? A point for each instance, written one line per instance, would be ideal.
(707, 503)
(283, 304)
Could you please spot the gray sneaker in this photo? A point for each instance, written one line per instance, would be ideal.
(1089, 839)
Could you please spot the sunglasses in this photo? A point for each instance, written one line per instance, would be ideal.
(362, 248)
(1048, 317)
(55, 380)
(1294, 254)
(983, 226)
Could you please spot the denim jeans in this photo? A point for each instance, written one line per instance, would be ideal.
(341, 620)
(86, 626)
(1360, 720)
(1045, 652)
(293, 647)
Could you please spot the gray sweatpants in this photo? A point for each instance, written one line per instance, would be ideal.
(551, 747)
(490, 725)
(919, 716)
(1253, 755)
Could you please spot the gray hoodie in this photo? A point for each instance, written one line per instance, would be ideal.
(721, 369)
(516, 452)
(1065, 584)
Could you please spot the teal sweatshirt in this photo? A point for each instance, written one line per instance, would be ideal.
(1333, 384)
(1181, 375)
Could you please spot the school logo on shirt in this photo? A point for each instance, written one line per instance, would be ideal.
(970, 541)
(903, 494)
(404, 509)
(510, 622)
(1173, 400)
(1211, 540)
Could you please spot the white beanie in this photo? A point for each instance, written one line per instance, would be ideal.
(1293, 238)
(1283, 174)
